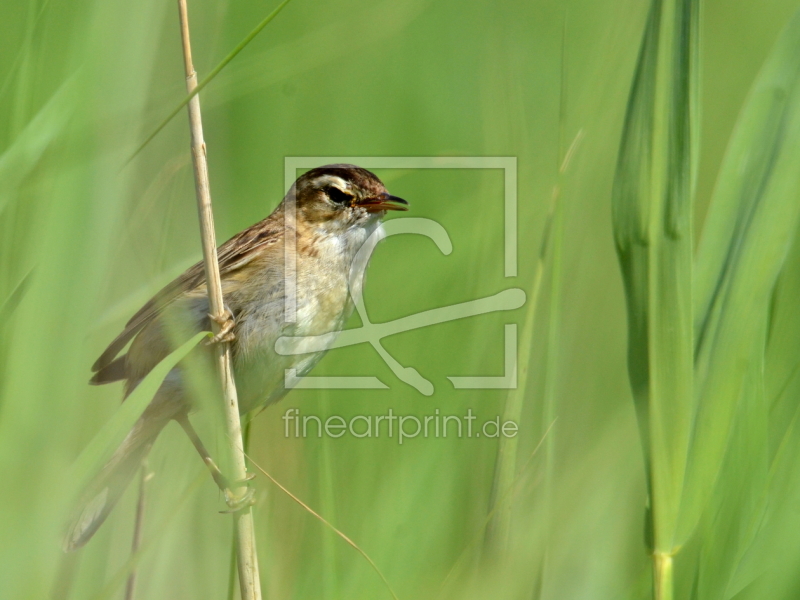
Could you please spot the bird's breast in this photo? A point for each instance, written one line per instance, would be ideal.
(323, 304)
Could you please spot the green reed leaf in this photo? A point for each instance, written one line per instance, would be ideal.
(92, 457)
(652, 218)
(749, 229)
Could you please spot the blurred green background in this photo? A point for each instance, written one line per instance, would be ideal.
(86, 239)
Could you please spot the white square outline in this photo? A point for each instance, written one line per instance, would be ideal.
(509, 166)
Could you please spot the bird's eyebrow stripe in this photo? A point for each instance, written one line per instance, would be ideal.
(331, 180)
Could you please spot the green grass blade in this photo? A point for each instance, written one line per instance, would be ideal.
(736, 509)
(748, 232)
(208, 78)
(652, 218)
(22, 156)
(498, 531)
(94, 454)
(10, 303)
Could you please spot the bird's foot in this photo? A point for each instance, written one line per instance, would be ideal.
(238, 502)
(238, 494)
(236, 498)
(226, 324)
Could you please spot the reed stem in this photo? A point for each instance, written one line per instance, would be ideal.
(138, 524)
(662, 576)
(246, 556)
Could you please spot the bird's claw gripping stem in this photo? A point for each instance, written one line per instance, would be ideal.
(238, 503)
(236, 498)
(226, 324)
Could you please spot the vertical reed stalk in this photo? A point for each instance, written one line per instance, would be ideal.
(652, 213)
(550, 382)
(331, 587)
(232, 563)
(138, 524)
(662, 576)
(247, 559)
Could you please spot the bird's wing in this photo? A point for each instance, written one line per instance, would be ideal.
(232, 255)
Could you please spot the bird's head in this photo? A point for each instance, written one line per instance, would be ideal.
(342, 196)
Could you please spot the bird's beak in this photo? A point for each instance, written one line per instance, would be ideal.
(383, 202)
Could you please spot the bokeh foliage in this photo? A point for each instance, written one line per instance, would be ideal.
(85, 241)
(698, 340)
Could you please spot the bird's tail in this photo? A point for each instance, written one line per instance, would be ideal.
(105, 490)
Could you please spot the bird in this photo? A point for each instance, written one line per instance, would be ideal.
(322, 222)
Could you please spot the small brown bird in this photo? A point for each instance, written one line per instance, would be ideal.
(329, 213)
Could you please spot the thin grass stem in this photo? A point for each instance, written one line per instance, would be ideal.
(138, 525)
(329, 525)
(662, 576)
(232, 563)
(247, 558)
(207, 79)
(505, 496)
(497, 533)
(115, 582)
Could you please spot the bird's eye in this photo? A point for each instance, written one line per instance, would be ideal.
(338, 196)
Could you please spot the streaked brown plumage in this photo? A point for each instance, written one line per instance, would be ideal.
(337, 207)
